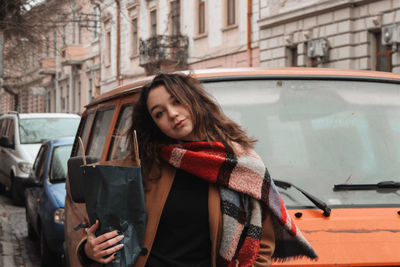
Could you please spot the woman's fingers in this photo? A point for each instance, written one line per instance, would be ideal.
(110, 242)
(102, 248)
(92, 229)
(109, 251)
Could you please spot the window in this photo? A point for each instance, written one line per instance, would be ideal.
(38, 166)
(96, 23)
(86, 129)
(231, 12)
(99, 132)
(292, 55)
(67, 98)
(119, 143)
(90, 86)
(11, 132)
(175, 17)
(201, 21)
(62, 98)
(54, 43)
(34, 131)
(134, 37)
(58, 167)
(153, 22)
(79, 95)
(64, 37)
(48, 101)
(383, 55)
(47, 46)
(108, 48)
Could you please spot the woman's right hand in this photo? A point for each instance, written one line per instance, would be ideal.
(104, 247)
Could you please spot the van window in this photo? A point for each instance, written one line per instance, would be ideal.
(119, 141)
(99, 131)
(11, 132)
(33, 131)
(3, 129)
(86, 128)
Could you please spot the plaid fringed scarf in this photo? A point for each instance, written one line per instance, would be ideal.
(244, 184)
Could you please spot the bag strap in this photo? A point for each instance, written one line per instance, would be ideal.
(82, 150)
(136, 148)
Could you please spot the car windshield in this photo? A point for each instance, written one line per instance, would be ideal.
(58, 168)
(317, 133)
(37, 130)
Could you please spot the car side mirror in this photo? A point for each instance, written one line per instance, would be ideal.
(32, 182)
(5, 142)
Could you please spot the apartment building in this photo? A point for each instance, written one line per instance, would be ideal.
(62, 73)
(346, 34)
(143, 37)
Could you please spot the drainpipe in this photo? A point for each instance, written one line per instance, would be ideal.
(118, 39)
(249, 50)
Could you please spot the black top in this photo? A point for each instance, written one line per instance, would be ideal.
(183, 234)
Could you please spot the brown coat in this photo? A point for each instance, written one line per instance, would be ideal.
(156, 194)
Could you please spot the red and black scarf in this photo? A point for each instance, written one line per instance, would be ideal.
(244, 187)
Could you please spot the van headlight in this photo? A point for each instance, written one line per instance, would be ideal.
(59, 216)
(25, 167)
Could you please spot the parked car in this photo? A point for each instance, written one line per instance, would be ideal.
(21, 135)
(45, 198)
(329, 136)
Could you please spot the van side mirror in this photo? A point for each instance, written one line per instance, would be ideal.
(5, 142)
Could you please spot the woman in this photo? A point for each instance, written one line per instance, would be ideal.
(208, 199)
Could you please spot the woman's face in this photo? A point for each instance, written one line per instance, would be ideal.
(173, 119)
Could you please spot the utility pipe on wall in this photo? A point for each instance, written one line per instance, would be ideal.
(118, 39)
(249, 49)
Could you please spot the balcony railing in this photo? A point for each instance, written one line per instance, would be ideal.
(164, 52)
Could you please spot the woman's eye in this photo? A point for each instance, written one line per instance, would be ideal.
(176, 102)
(158, 115)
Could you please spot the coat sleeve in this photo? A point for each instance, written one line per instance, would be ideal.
(267, 245)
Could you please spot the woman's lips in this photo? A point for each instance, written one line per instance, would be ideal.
(179, 124)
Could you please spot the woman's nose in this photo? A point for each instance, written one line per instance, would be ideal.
(172, 112)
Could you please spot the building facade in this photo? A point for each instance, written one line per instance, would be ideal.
(143, 37)
(97, 45)
(62, 73)
(346, 34)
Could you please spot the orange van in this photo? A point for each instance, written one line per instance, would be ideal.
(330, 139)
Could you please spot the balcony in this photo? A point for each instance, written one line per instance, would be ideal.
(164, 53)
(47, 66)
(72, 55)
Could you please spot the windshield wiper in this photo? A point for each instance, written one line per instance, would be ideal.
(317, 202)
(380, 185)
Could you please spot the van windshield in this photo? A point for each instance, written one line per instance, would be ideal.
(33, 131)
(317, 133)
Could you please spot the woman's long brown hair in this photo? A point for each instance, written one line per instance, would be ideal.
(209, 121)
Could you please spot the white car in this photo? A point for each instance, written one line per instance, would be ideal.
(21, 136)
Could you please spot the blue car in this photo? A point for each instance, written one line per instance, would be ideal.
(45, 197)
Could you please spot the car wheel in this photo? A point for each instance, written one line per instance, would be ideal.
(16, 198)
(49, 259)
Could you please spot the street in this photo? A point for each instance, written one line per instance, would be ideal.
(15, 247)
